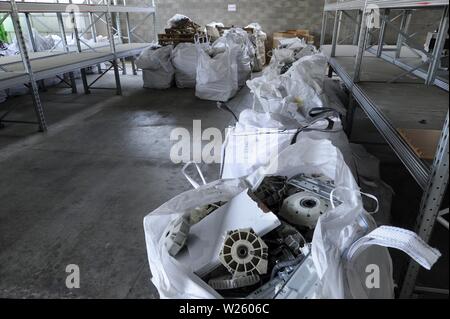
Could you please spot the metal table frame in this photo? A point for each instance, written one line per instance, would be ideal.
(106, 11)
(432, 179)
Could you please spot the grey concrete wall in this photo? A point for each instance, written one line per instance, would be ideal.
(273, 15)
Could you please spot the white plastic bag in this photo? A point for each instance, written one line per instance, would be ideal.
(217, 75)
(185, 60)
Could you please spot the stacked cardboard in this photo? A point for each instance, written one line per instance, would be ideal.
(300, 33)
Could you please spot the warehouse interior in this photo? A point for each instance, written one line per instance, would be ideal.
(96, 94)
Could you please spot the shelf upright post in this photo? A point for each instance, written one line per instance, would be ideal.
(28, 69)
(93, 32)
(336, 27)
(357, 27)
(62, 29)
(406, 20)
(382, 32)
(430, 206)
(362, 42)
(437, 51)
(129, 35)
(119, 34)
(113, 49)
(77, 39)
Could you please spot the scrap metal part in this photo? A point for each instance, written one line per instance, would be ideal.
(228, 282)
(304, 209)
(201, 212)
(244, 253)
(319, 184)
(272, 191)
(177, 235)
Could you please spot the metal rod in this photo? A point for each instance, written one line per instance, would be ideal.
(6, 15)
(406, 20)
(129, 35)
(113, 49)
(430, 206)
(361, 47)
(30, 32)
(357, 27)
(437, 51)
(431, 290)
(382, 33)
(27, 65)
(77, 38)
(62, 29)
(335, 33)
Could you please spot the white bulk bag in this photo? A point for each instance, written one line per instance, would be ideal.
(258, 39)
(157, 69)
(176, 280)
(344, 231)
(259, 137)
(185, 60)
(302, 83)
(346, 241)
(245, 52)
(217, 74)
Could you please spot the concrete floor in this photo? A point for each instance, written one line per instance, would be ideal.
(78, 193)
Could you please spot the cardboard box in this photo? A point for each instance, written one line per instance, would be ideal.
(300, 33)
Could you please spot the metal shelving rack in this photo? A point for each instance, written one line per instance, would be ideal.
(432, 178)
(35, 66)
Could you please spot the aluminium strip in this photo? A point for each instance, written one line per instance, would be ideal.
(415, 165)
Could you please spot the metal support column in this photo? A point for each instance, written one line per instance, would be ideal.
(336, 26)
(94, 32)
(382, 33)
(130, 40)
(119, 34)
(430, 206)
(437, 51)
(62, 29)
(406, 20)
(77, 38)
(362, 42)
(26, 63)
(113, 49)
(350, 115)
(357, 27)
